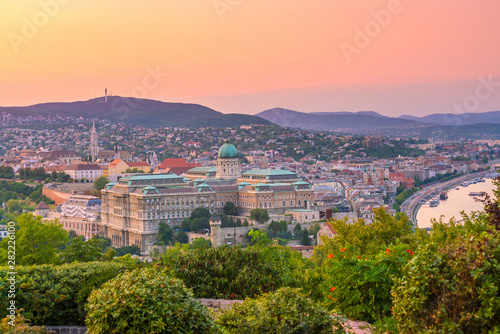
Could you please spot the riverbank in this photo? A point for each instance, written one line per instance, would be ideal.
(413, 204)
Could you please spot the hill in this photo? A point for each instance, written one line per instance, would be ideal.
(143, 112)
(343, 121)
(490, 117)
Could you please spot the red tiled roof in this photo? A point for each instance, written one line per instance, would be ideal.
(138, 164)
(55, 168)
(174, 162)
(115, 162)
(177, 170)
(331, 228)
(42, 206)
(81, 166)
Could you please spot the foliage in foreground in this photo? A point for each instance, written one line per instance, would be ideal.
(222, 272)
(146, 300)
(36, 242)
(21, 326)
(452, 288)
(287, 310)
(361, 287)
(55, 295)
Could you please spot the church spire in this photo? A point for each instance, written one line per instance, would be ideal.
(94, 146)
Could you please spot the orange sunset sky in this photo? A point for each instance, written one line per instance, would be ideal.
(413, 57)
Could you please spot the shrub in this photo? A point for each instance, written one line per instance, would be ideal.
(223, 272)
(284, 311)
(360, 287)
(52, 295)
(146, 301)
(451, 289)
(20, 326)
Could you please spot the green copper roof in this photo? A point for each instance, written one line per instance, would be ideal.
(150, 190)
(203, 169)
(151, 177)
(228, 151)
(268, 172)
(301, 182)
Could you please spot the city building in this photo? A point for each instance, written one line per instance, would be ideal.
(303, 215)
(118, 166)
(116, 154)
(83, 170)
(325, 230)
(177, 166)
(81, 213)
(42, 209)
(66, 156)
(133, 207)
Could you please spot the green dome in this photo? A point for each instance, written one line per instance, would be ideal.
(228, 151)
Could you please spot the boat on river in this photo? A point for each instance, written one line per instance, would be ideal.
(434, 202)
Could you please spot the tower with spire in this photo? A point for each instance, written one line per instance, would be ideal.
(94, 147)
(153, 161)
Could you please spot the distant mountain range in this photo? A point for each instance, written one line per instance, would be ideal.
(491, 117)
(141, 112)
(450, 126)
(151, 113)
(345, 121)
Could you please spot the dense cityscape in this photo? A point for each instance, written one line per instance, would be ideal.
(248, 167)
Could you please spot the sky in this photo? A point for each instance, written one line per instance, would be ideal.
(244, 56)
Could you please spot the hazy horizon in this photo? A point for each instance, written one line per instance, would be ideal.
(390, 56)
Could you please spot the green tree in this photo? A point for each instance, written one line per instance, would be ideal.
(314, 229)
(100, 183)
(297, 231)
(36, 242)
(365, 239)
(276, 227)
(306, 241)
(230, 209)
(105, 243)
(80, 250)
(200, 243)
(200, 213)
(259, 238)
(260, 215)
(198, 220)
(128, 250)
(181, 237)
(165, 233)
(72, 234)
(14, 206)
(109, 255)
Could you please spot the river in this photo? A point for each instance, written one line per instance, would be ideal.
(458, 200)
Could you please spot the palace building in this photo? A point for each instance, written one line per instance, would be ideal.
(133, 207)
